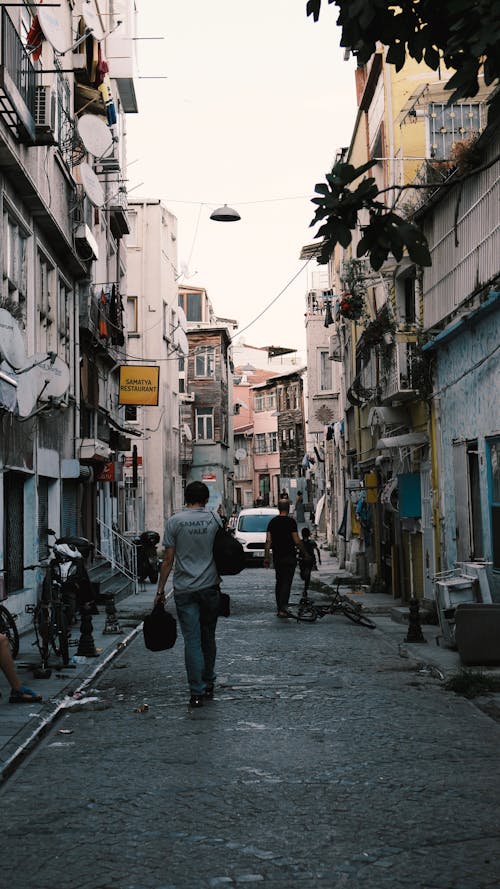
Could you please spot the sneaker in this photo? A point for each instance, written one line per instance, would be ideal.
(208, 694)
(196, 701)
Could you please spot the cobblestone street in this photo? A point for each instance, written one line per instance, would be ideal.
(325, 759)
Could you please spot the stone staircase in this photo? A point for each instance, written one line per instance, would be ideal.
(110, 582)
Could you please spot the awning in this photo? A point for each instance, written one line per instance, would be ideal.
(410, 440)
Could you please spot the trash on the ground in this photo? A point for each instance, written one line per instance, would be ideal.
(79, 659)
(142, 708)
(89, 703)
(65, 731)
(62, 744)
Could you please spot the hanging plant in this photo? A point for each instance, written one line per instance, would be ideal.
(351, 306)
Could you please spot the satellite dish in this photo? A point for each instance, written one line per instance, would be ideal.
(52, 28)
(91, 185)
(27, 391)
(95, 134)
(181, 317)
(92, 22)
(240, 454)
(187, 432)
(181, 341)
(11, 340)
(52, 377)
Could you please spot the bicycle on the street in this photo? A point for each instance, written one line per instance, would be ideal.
(65, 587)
(9, 629)
(308, 611)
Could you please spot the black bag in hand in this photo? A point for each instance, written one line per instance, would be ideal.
(229, 555)
(159, 629)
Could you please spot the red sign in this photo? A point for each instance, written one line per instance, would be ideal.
(128, 460)
(107, 473)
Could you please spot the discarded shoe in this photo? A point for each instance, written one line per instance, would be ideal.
(24, 695)
(196, 701)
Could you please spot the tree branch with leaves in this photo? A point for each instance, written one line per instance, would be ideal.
(466, 38)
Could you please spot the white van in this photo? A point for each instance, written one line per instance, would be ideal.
(251, 530)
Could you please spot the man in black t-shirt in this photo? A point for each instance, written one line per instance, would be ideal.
(283, 538)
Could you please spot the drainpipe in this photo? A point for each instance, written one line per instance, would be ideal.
(436, 494)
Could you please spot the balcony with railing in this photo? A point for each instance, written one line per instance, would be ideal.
(399, 382)
(18, 80)
(101, 318)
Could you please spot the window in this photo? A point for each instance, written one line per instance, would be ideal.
(451, 123)
(494, 489)
(193, 307)
(132, 315)
(260, 443)
(64, 315)
(271, 402)
(325, 372)
(132, 224)
(259, 402)
(205, 424)
(14, 271)
(410, 311)
(273, 442)
(46, 302)
(204, 365)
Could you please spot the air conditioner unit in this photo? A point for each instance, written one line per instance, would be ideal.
(334, 350)
(45, 115)
(187, 396)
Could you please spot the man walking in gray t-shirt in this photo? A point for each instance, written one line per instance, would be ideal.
(188, 541)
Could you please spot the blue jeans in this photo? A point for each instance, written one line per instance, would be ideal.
(197, 612)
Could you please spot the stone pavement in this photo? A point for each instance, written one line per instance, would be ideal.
(21, 726)
(326, 759)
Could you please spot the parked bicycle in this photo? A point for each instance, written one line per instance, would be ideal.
(66, 589)
(308, 611)
(9, 629)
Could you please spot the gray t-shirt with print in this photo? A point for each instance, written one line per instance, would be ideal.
(192, 533)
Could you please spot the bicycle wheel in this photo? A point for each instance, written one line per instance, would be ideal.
(60, 634)
(353, 612)
(304, 612)
(9, 629)
(42, 627)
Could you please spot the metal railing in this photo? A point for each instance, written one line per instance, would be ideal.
(17, 62)
(120, 552)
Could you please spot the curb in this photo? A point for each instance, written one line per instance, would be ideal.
(25, 747)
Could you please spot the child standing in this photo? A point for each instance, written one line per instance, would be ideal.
(305, 568)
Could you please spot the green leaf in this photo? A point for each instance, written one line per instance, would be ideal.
(396, 55)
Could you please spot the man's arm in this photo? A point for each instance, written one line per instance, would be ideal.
(267, 551)
(165, 569)
(298, 543)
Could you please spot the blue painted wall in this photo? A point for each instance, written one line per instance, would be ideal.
(469, 409)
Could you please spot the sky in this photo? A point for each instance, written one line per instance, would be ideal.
(243, 102)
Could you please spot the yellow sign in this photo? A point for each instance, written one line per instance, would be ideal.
(371, 487)
(139, 385)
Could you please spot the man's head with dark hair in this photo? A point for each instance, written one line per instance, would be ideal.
(196, 492)
(284, 505)
(306, 533)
